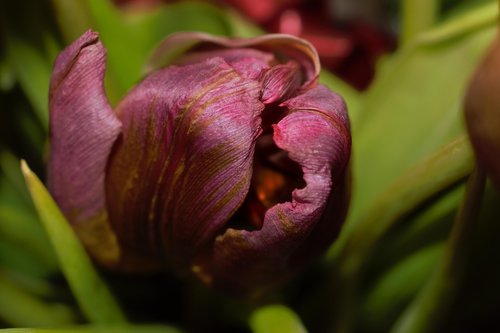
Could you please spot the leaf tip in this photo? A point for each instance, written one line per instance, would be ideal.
(27, 173)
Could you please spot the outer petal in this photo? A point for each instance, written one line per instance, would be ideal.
(316, 135)
(482, 112)
(248, 62)
(83, 129)
(185, 162)
(280, 44)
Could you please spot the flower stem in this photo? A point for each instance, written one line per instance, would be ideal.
(443, 169)
(429, 308)
(417, 16)
(480, 17)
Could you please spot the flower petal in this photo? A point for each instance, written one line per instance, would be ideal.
(248, 62)
(185, 162)
(316, 135)
(280, 82)
(287, 46)
(83, 129)
(482, 112)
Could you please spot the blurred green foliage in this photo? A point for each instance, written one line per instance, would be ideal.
(410, 163)
(92, 294)
(275, 319)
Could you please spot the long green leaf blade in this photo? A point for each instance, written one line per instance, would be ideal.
(92, 294)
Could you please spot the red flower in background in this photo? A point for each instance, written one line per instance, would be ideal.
(349, 48)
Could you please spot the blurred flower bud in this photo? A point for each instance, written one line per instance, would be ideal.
(231, 164)
(482, 112)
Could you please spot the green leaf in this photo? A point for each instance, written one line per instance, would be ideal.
(30, 47)
(18, 258)
(351, 96)
(413, 107)
(130, 36)
(7, 76)
(469, 20)
(276, 319)
(39, 287)
(10, 168)
(442, 169)
(396, 288)
(19, 308)
(73, 18)
(427, 311)
(33, 72)
(24, 230)
(428, 225)
(92, 294)
(24, 244)
(240, 26)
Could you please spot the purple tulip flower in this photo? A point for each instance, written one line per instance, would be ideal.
(231, 164)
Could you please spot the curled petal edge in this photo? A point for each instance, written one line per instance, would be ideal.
(242, 260)
(179, 43)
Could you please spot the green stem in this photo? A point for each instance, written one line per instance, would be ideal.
(443, 168)
(417, 16)
(427, 311)
(446, 167)
(474, 19)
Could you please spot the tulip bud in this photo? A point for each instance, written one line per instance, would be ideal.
(482, 112)
(231, 164)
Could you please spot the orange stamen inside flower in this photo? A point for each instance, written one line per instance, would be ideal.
(273, 182)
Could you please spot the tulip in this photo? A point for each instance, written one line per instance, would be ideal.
(482, 112)
(230, 164)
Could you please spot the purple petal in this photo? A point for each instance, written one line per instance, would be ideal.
(83, 129)
(316, 135)
(248, 62)
(185, 162)
(280, 82)
(482, 112)
(289, 46)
